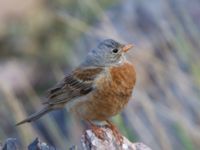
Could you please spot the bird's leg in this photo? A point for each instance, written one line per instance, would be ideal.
(97, 130)
(115, 131)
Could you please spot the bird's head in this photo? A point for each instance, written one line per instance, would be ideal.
(107, 53)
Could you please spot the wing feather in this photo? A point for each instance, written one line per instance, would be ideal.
(79, 83)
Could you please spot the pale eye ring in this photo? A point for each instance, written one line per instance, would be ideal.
(115, 50)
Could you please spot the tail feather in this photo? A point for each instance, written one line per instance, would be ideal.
(36, 115)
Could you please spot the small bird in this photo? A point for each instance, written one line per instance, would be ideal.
(96, 90)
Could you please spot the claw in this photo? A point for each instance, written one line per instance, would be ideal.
(98, 131)
(116, 133)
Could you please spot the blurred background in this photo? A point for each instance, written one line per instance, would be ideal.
(40, 41)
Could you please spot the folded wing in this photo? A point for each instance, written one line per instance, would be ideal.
(78, 83)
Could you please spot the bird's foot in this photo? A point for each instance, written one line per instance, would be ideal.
(98, 131)
(116, 133)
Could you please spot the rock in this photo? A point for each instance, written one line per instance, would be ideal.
(38, 145)
(10, 144)
(89, 141)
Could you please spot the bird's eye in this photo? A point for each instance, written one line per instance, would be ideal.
(115, 50)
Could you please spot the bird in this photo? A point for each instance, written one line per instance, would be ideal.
(98, 89)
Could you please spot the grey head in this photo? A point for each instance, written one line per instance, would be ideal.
(107, 53)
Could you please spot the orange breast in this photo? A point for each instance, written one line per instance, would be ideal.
(113, 91)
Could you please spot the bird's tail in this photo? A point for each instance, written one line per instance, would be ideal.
(36, 115)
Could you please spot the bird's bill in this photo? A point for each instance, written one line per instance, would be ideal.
(127, 47)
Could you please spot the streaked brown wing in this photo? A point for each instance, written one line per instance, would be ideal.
(77, 84)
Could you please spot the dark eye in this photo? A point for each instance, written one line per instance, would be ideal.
(115, 50)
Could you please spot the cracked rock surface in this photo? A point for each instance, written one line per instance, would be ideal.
(89, 141)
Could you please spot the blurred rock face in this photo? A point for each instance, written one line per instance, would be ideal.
(164, 112)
